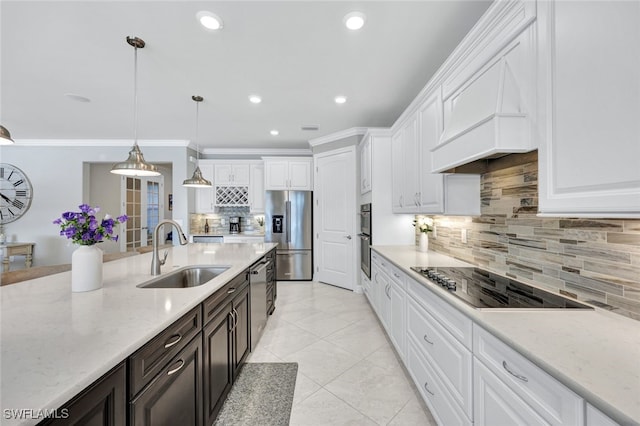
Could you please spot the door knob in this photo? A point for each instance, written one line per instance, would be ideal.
(348, 237)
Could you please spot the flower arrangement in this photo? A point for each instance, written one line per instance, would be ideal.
(260, 220)
(423, 224)
(83, 228)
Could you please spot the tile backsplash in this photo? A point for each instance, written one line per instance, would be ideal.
(248, 221)
(595, 260)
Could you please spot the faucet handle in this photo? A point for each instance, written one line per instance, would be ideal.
(164, 258)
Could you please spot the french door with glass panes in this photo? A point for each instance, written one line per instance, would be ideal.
(142, 200)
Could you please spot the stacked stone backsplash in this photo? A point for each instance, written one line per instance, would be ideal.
(248, 221)
(595, 260)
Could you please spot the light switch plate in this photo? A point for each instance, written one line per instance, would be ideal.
(463, 236)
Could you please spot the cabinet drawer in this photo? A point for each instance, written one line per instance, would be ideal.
(449, 317)
(439, 401)
(215, 302)
(449, 358)
(551, 399)
(149, 360)
(397, 275)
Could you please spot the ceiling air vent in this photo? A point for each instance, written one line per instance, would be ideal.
(311, 127)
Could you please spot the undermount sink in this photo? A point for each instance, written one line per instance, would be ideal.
(190, 276)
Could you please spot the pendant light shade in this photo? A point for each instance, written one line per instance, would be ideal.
(5, 136)
(197, 181)
(135, 164)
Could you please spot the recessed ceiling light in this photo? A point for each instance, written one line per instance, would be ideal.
(77, 98)
(340, 99)
(354, 20)
(255, 99)
(209, 20)
(274, 132)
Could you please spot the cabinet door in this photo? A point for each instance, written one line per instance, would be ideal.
(242, 330)
(300, 175)
(174, 397)
(397, 172)
(496, 404)
(205, 197)
(596, 417)
(103, 403)
(365, 165)
(218, 362)
(223, 174)
(240, 174)
(431, 197)
(411, 189)
(276, 174)
(398, 324)
(256, 189)
(384, 300)
(590, 132)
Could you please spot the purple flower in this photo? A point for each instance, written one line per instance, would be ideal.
(57, 221)
(68, 215)
(84, 208)
(123, 218)
(83, 228)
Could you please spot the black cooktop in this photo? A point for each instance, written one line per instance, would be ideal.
(483, 289)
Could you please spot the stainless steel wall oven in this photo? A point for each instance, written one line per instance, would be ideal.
(365, 239)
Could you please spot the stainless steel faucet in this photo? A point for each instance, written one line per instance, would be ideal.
(156, 263)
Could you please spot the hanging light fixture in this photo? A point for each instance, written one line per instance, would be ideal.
(197, 181)
(5, 136)
(135, 164)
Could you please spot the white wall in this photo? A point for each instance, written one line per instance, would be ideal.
(104, 192)
(57, 175)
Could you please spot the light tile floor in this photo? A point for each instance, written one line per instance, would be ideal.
(348, 373)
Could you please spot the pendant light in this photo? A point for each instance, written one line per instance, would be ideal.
(135, 164)
(197, 181)
(5, 136)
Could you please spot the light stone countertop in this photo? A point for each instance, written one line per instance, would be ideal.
(594, 353)
(55, 343)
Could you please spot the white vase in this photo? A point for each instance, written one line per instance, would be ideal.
(423, 242)
(86, 269)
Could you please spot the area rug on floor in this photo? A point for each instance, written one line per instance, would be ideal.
(262, 395)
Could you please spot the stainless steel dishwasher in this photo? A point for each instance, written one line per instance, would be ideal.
(258, 290)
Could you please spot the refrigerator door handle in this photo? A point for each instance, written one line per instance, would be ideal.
(288, 221)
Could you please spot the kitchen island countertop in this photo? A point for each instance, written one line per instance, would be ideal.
(55, 343)
(595, 353)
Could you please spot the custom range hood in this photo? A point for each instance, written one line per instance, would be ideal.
(488, 119)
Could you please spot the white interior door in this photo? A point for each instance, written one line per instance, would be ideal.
(335, 194)
(142, 201)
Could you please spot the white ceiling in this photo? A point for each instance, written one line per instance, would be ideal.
(296, 54)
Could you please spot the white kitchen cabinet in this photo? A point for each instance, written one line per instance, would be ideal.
(365, 165)
(451, 361)
(551, 400)
(414, 188)
(205, 197)
(284, 173)
(256, 188)
(496, 404)
(228, 173)
(589, 63)
(596, 417)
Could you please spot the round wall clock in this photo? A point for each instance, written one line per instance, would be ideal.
(15, 193)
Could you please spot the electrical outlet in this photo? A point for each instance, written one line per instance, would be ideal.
(463, 236)
(222, 221)
(435, 232)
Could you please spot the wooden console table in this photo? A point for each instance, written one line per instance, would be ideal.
(16, 249)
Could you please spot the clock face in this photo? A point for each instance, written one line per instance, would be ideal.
(15, 193)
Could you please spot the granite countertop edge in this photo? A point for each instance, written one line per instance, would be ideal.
(494, 322)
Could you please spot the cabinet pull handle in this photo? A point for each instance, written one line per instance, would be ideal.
(427, 340)
(396, 275)
(427, 389)
(173, 341)
(173, 370)
(231, 290)
(516, 375)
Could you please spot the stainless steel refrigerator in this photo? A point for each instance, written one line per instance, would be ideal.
(289, 223)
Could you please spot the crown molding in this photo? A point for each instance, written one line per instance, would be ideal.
(343, 134)
(257, 151)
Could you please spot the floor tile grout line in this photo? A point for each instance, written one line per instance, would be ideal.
(347, 402)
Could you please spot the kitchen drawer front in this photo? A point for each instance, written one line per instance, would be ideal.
(456, 323)
(216, 301)
(149, 360)
(449, 358)
(495, 404)
(444, 411)
(397, 275)
(596, 417)
(551, 399)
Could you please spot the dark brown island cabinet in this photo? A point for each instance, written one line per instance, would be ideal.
(183, 375)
